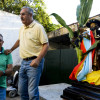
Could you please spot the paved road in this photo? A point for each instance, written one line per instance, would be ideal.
(15, 98)
(18, 98)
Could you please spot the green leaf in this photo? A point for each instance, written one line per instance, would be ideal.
(79, 54)
(92, 47)
(63, 23)
(83, 11)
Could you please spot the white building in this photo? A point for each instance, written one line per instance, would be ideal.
(9, 28)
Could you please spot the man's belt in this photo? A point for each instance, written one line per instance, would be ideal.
(30, 58)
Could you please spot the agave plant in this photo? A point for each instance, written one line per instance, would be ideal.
(82, 13)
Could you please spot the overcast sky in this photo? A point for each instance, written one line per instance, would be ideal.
(67, 9)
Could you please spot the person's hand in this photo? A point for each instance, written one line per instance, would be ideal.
(35, 63)
(1, 73)
(7, 51)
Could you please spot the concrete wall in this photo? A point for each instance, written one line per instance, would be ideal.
(9, 28)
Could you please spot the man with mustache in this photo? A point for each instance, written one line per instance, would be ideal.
(33, 43)
(5, 69)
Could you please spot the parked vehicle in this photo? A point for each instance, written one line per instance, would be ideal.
(13, 88)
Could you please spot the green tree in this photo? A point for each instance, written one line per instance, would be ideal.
(39, 8)
(42, 16)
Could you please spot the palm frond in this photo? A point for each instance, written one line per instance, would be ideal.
(92, 47)
(63, 23)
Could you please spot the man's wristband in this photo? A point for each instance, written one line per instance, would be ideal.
(3, 72)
